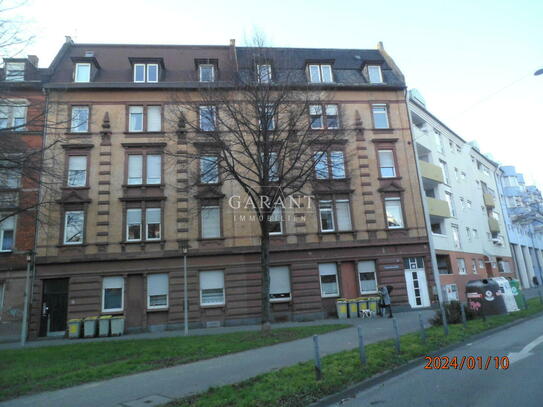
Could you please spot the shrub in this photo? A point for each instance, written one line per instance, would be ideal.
(454, 315)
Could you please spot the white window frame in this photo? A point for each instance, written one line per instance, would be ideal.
(381, 166)
(140, 224)
(379, 73)
(129, 178)
(148, 179)
(3, 229)
(78, 129)
(131, 124)
(280, 221)
(218, 209)
(348, 214)
(268, 74)
(456, 236)
(474, 265)
(144, 73)
(17, 78)
(212, 304)
(326, 273)
(374, 271)
(147, 73)
(65, 228)
(280, 299)
(320, 75)
(461, 264)
(212, 160)
(152, 292)
(331, 210)
(402, 220)
(200, 67)
(148, 118)
(77, 73)
(118, 278)
(147, 223)
(73, 157)
(377, 109)
(211, 108)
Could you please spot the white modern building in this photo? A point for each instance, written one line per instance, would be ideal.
(459, 182)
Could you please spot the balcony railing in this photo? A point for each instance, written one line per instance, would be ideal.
(431, 172)
(490, 202)
(438, 208)
(494, 225)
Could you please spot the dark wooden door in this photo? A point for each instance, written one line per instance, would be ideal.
(134, 303)
(54, 306)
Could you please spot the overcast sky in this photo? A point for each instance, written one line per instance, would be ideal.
(473, 61)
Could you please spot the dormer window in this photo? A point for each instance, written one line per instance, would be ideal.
(14, 71)
(145, 73)
(320, 73)
(206, 72)
(264, 73)
(374, 74)
(82, 72)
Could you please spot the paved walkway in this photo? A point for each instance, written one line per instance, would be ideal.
(159, 386)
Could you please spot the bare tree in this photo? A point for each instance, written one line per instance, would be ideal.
(269, 133)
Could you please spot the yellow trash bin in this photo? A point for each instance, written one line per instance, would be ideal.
(74, 328)
(341, 307)
(353, 309)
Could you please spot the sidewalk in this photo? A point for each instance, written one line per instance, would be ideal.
(160, 386)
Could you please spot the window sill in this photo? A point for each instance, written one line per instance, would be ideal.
(386, 130)
(114, 313)
(210, 239)
(6, 252)
(143, 242)
(207, 306)
(143, 186)
(158, 309)
(336, 232)
(151, 133)
(280, 300)
(72, 245)
(80, 133)
(389, 178)
(369, 292)
(400, 228)
(330, 296)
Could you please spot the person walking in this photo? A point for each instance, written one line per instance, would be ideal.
(385, 300)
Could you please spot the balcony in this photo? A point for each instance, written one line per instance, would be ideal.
(494, 225)
(438, 208)
(431, 172)
(489, 200)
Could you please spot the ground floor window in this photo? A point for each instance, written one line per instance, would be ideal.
(328, 279)
(7, 228)
(157, 291)
(112, 294)
(443, 264)
(212, 288)
(367, 277)
(279, 284)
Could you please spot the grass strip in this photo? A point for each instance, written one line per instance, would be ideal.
(31, 370)
(295, 386)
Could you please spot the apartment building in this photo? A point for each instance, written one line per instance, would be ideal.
(129, 207)
(460, 185)
(523, 213)
(22, 106)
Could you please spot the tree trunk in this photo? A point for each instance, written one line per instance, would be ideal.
(265, 265)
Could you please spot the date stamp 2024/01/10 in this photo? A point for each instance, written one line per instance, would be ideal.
(466, 362)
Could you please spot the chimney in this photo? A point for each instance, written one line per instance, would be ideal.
(68, 39)
(33, 59)
(232, 42)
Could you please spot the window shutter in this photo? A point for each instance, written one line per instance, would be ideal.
(113, 282)
(279, 280)
(211, 280)
(210, 222)
(386, 157)
(157, 284)
(135, 169)
(78, 163)
(331, 110)
(154, 119)
(366, 266)
(343, 215)
(153, 169)
(152, 215)
(327, 269)
(133, 216)
(8, 224)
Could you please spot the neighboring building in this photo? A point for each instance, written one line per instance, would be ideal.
(467, 223)
(22, 105)
(523, 210)
(126, 207)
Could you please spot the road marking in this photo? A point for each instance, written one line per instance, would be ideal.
(526, 351)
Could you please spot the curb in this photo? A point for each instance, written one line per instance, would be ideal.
(351, 391)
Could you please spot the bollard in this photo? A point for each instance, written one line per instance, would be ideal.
(540, 296)
(524, 301)
(361, 348)
(318, 372)
(463, 314)
(397, 335)
(422, 330)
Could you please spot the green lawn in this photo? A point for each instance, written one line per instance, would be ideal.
(296, 386)
(39, 369)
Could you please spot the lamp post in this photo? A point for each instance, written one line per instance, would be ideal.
(24, 327)
(185, 249)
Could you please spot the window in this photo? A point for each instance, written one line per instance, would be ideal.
(320, 74)
(279, 284)
(461, 266)
(374, 73)
(456, 236)
(152, 221)
(207, 118)
(276, 224)
(445, 171)
(393, 208)
(135, 119)
(112, 294)
(154, 118)
(387, 167)
(443, 264)
(329, 165)
(10, 175)
(439, 140)
(145, 73)
(153, 169)
(325, 116)
(212, 288)
(474, 266)
(74, 223)
(211, 225)
(273, 166)
(77, 171)
(82, 73)
(450, 201)
(456, 174)
(380, 116)
(7, 234)
(206, 73)
(14, 71)
(80, 119)
(342, 215)
(367, 277)
(462, 203)
(264, 73)
(133, 225)
(328, 280)
(157, 291)
(267, 118)
(468, 233)
(12, 115)
(468, 204)
(209, 169)
(463, 175)
(438, 228)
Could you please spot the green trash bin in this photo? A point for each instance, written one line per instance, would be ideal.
(117, 325)
(341, 307)
(103, 325)
(89, 327)
(74, 328)
(517, 292)
(353, 308)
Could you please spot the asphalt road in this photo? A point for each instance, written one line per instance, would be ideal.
(519, 385)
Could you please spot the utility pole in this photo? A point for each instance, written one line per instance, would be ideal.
(185, 290)
(24, 327)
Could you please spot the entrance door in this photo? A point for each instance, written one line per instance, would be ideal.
(134, 303)
(54, 308)
(417, 288)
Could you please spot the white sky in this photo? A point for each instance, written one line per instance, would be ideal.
(461, 55)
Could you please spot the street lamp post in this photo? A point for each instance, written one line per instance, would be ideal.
(24, 327)
(185, 249)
